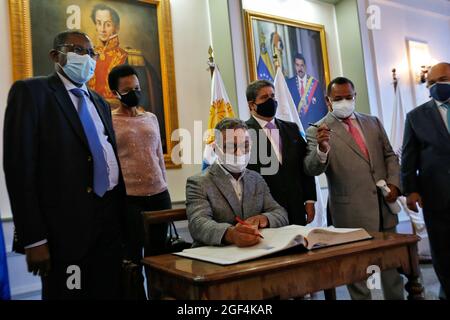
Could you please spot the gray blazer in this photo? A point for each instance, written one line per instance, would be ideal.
(212, 204)
(353, 200)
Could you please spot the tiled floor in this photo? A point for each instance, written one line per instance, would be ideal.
(428, 280)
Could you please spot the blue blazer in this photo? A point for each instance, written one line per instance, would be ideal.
(426, 157)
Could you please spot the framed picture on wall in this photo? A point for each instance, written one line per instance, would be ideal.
(137, 33)
(300, 50)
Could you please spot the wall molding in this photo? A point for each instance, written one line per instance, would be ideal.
(422, 11)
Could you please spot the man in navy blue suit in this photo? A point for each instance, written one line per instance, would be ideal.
(307, 94)
(426, 167)
(63, 177)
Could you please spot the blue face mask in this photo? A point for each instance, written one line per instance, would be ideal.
(79, 68)
(440, 91)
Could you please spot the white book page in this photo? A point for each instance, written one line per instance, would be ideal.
(275, 239)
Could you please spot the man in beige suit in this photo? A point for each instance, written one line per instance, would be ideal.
(354, 155)
(227, 191)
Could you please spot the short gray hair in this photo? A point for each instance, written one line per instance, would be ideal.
(254, 87)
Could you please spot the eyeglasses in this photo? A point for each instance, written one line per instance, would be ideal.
(80, 50)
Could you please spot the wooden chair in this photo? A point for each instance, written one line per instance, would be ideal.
(155, 217)
(162, 216)
(170, 215)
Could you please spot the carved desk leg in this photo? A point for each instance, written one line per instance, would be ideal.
(413, 286)
(330, 294)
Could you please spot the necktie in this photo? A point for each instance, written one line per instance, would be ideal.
(302, 88)
(357, 137)
(274, 135)
(447, 106)
(101, 181)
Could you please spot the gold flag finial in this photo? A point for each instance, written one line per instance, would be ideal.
(211, 62)
(394, 78)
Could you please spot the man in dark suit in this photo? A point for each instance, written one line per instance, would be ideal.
(426, 167)
(277, 154)
(307, 93)
(63, 177)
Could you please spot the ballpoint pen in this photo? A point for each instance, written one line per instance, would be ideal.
(246, 224)
(316, 126)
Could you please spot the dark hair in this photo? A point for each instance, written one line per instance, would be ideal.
(61, 37)
(114, 15)
(120, 71)
(339, 80)
(300, 56)
(254, 87)
(230, 123)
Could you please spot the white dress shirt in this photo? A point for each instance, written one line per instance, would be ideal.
(237, 184)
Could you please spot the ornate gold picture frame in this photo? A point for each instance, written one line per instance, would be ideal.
(300, 49)
(34, 24)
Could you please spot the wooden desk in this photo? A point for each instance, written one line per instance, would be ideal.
(288, 274)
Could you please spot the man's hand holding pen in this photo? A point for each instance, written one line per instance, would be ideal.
(323, 137)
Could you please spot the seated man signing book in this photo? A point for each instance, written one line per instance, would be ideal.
(227, 192)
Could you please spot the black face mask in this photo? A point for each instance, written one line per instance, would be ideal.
(131, 99)
(268, 108)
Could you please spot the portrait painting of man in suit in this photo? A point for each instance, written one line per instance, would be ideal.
(299, 49)
(123, 32)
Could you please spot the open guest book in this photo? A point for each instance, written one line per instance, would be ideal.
(277, 239)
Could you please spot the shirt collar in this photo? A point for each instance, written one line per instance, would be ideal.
(439, 104)
(69, 85)
(303, 79)
(263, 123)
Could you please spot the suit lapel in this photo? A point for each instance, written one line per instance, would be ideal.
(437, 121)
(366, 131)
(222, 181)
(66, 105)
(247, 193)
(103, 117)
(285, 140)
(340, 131)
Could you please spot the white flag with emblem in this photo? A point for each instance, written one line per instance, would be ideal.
(286, 111)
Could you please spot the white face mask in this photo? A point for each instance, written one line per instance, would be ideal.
(343, 108)
(231, 162)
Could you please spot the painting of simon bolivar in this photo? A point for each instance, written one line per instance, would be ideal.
(123, 32)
